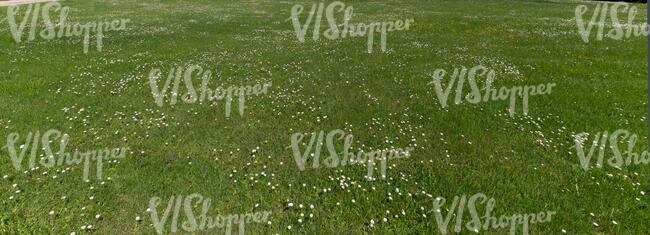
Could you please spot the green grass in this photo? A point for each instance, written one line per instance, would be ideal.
(383, 99)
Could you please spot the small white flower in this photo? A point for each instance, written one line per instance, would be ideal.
(137, 218)
(595, 224)
(614, 222)
(51, 212)
(353, 201)
(63, 198)
(311, 206)
(290, 204)
(563, 231)
(300, 205)
(83, 227)
(299, 220)
(289, 227)
(97, 216)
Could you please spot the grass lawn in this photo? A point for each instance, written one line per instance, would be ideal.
(385, 99)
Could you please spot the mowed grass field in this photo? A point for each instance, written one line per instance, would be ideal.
(103, 99)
